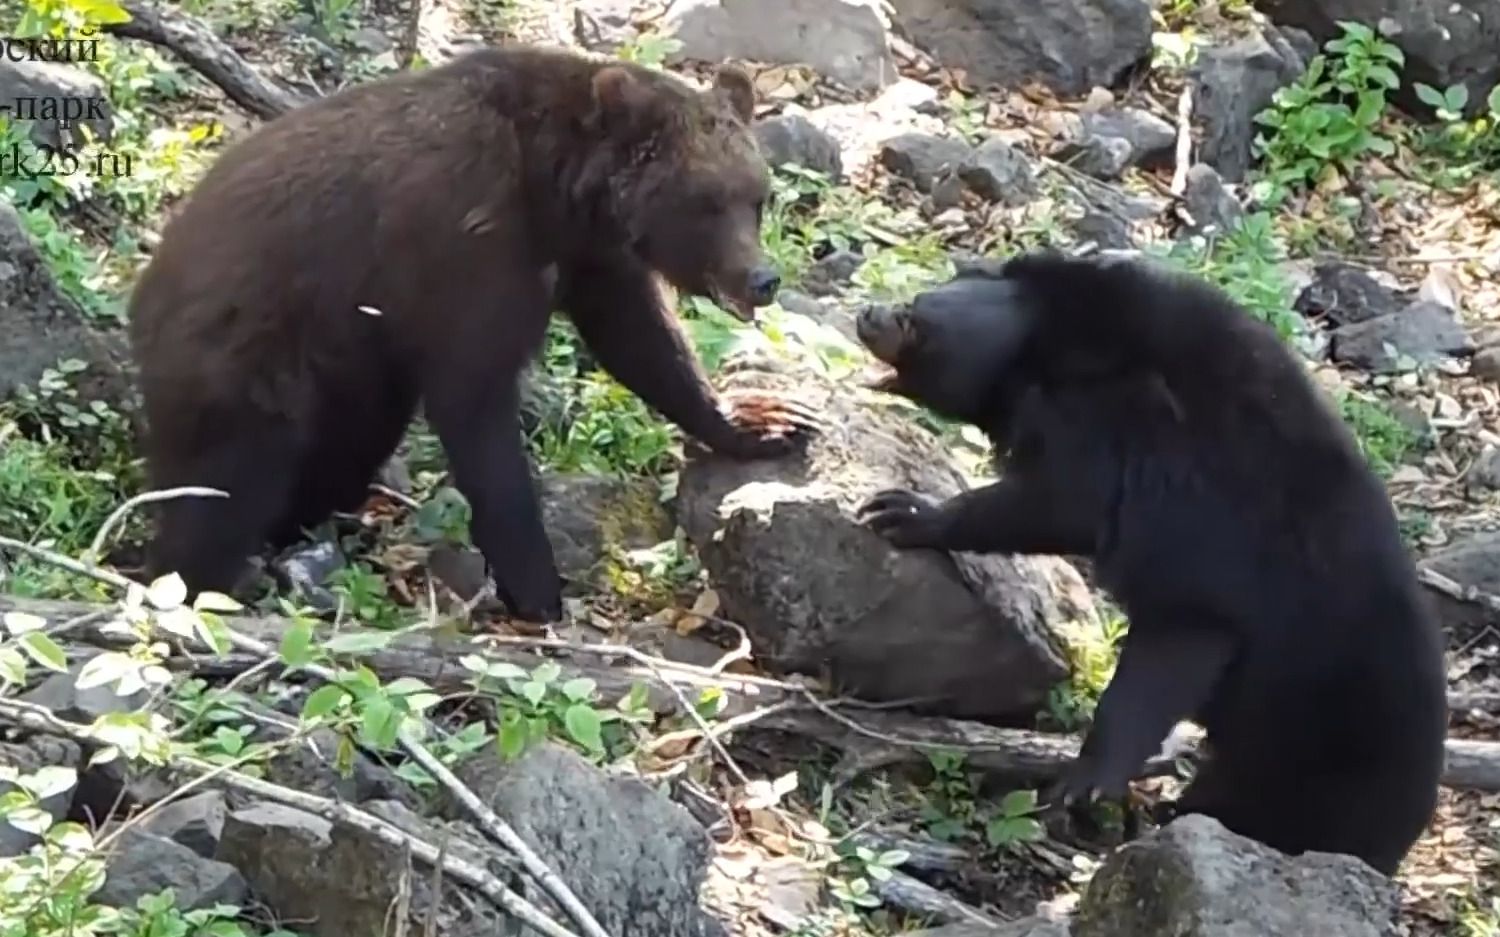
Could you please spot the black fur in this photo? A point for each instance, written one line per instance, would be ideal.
(1147, 422)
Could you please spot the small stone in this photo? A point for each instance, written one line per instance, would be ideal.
(922, 157)
(1486, 364)
(1000, 172)
(1212, 207)
(1100, 157)
(145, 864)
(793, 139)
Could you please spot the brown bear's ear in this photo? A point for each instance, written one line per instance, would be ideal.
(734, 85)
(619, 96)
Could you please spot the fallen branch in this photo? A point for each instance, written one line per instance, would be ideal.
(1184, 140)
(40, 719)
(870, 737)
(1437, 582)
(191, 40)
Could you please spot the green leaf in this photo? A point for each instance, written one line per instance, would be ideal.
(511, 739)
(1018, 803)
(1457, 98)
(1494, 100)
(892, 858)
(22, 622)
(579, 689)
(214, 633)
(296, 645)
(381, 722)
(324, 700)
(1429, 95)
(1385, 75)
(583, 725)
(44, 651)
(405, 686)
(51, 780)
(546, 672)
(229, 740)
(12, 666)
(533, 692)
(215, 602)
(167, 592)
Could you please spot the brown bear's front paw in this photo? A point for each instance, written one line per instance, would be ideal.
(766, 425)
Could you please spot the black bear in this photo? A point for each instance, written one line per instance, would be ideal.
(1146, 421)
(404, 242)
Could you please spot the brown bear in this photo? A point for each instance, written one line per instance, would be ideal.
(405, 241)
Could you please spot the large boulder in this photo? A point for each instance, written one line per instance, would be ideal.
(1194, 878)
(1231, 84)
(971, 635)
(40, 326)
(1445, 42)
(1070, 45)
(843, 39)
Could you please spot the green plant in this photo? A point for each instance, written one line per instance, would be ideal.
(1459, 149)
(536, 705)
(1383, 438)
(949, 810)
(858, 871)
(1330, 116)
(649, 48)
(1246, 263)
(1015, 821)
(365, 595)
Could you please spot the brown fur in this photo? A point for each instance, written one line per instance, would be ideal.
(445, 201)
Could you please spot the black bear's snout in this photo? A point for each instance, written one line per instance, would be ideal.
(762, 285)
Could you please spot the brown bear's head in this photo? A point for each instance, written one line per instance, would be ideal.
(693, 189)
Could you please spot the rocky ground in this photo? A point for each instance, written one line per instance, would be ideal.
(730, 735)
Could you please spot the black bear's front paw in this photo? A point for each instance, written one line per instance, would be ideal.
(902, 517)
(765, 425)
(1087, 781)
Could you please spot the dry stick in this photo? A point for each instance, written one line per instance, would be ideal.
(1457, 591)
(148, 497)
(1184, 139)
(488, 819)
(40, 719)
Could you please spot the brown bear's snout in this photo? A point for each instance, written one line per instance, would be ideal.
(761, 285)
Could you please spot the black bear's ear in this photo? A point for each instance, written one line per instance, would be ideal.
(620, 98)
(734, 85)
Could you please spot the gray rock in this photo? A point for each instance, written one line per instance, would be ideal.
(59, 97)
(1000, 172)
(39, 326)
(818, 592)
(1485, 472)
(1211, 206)
(308, 569)
(830, 274)
(337, 881)
(1344, 293)
(1445, 42)
(586, 516)
(1153, 141)
(1194, 878)
(1472, 562)
(792, 138)
(145, 863)
(820, 312)
(196, 822)
(1109, 232)
(1486, 364)
(923, 157)
(1425, 331)
(1231, 84)
(1026, 927)
(39, 751)
(1100, 157)
(842, 39)
(634, 858)
(1071, 45)
(312, 767)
